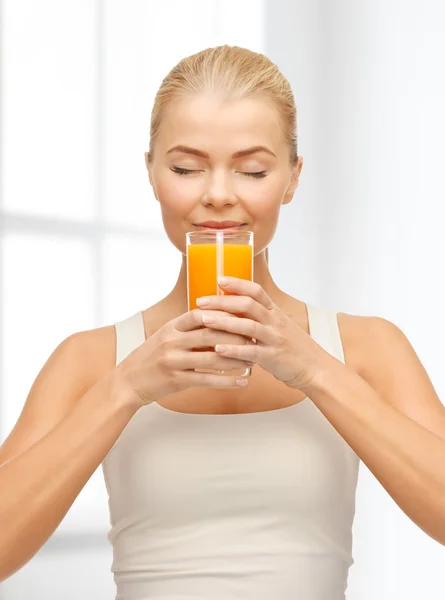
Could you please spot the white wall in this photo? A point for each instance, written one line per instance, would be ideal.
(368, 78)
(292, 40)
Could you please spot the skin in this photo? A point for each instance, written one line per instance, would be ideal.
(381, 402)
(220, 189)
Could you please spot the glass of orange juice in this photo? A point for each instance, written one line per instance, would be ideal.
(211, 254)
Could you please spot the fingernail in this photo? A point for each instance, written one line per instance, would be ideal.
(241, 382)
(203, 301)
(220, 348)
(223, 281)
(207, 319)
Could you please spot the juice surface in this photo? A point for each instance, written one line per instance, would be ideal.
(202, 269)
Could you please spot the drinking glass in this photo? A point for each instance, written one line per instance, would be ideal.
(212, 254)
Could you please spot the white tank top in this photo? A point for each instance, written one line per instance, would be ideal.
(248, 506)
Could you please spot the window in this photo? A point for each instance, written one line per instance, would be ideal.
(79, 226)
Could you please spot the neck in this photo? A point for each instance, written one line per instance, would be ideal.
(176, 300)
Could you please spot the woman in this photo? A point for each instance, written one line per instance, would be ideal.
(218, 487)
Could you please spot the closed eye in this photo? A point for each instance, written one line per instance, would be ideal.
(182, 171)
(257, 175)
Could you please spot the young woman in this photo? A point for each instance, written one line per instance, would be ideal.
(219, 488)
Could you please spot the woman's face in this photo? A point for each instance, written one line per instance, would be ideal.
(220, 160)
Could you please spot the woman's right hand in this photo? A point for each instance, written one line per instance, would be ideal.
(165, 362)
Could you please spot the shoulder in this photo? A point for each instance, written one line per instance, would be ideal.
(357, 326)
(94, 350)
(368, 341)
(73, 367)
(387, 360)
(381, 353)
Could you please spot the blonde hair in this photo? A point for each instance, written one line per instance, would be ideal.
(230, 72)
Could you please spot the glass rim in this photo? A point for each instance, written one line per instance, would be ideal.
(211, 233)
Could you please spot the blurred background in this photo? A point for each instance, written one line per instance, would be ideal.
(82, 243)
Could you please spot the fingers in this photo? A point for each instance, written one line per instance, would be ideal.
(208, 380)
(244, 287)
(204, 338)
(181, 361)
(192, 319)
(249, 353)
(241, 305)
(244, 327)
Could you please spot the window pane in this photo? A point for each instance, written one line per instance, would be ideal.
(48, 96)
(137, 274)
(143, 42)
(48, 293)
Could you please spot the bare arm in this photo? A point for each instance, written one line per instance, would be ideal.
(40, 483)
(393, 419)
(77, 408)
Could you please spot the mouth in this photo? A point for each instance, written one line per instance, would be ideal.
(220, 225)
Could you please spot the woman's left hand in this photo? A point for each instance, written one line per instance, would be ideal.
(282, 347)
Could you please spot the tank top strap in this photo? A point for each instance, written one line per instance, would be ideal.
(129, 335)
(323, 328)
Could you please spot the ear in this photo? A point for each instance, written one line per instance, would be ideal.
(296, 170)
(149, 165)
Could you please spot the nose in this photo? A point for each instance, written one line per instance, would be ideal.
(218, 192)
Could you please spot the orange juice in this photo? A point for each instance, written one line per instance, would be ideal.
(204, 266)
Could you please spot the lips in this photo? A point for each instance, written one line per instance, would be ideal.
(220, 224)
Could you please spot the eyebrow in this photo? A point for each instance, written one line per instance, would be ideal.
(238, 154)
